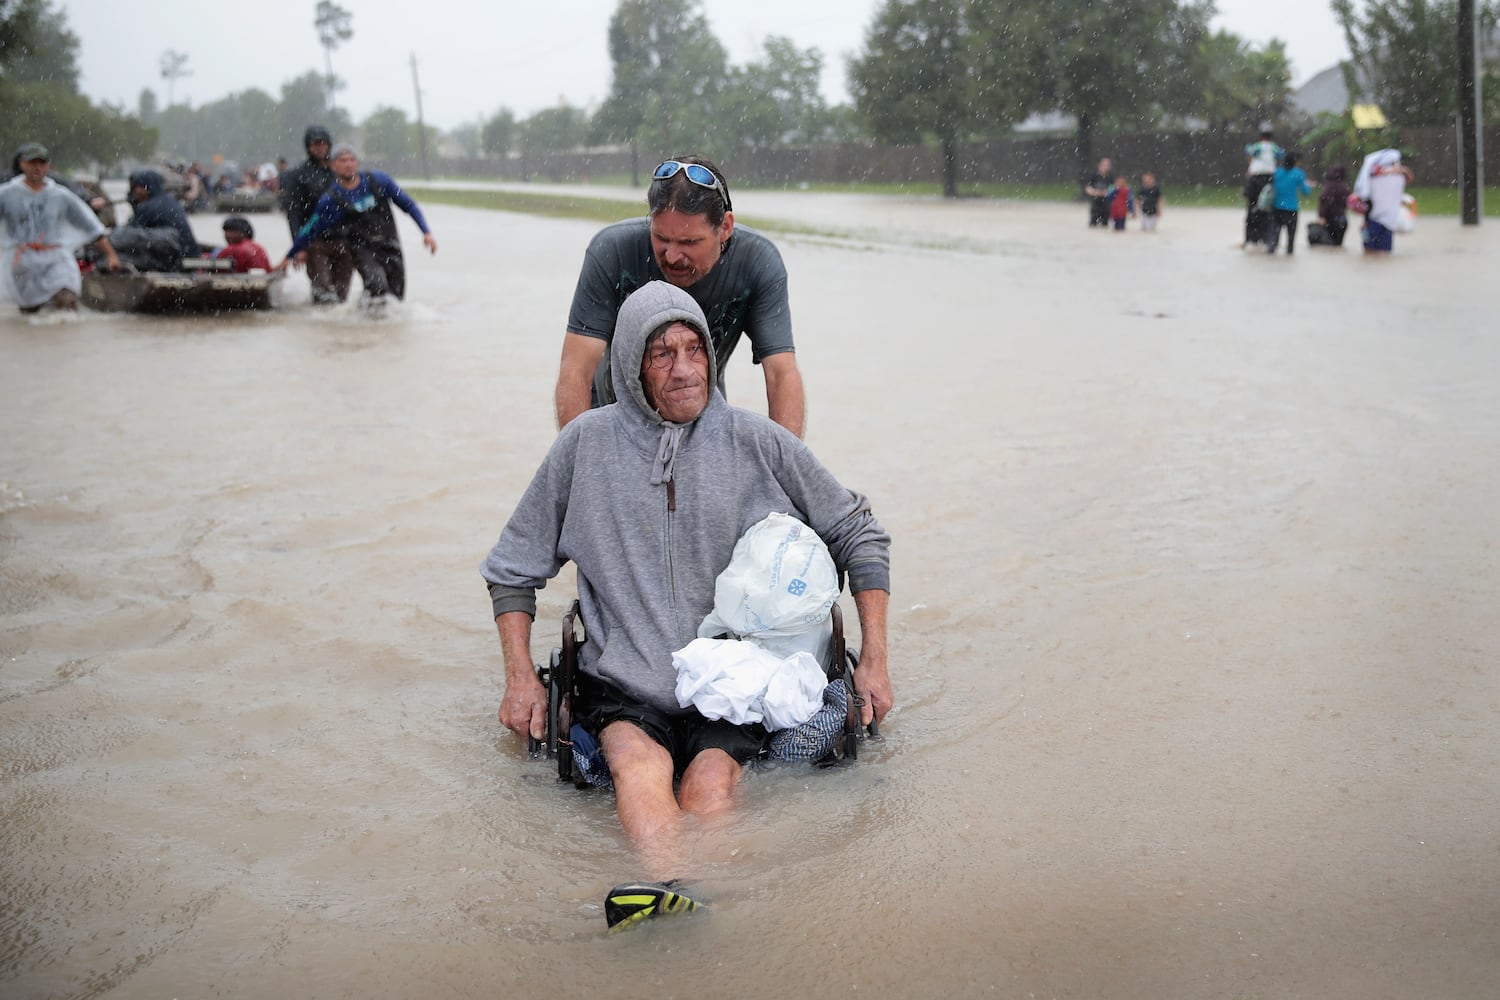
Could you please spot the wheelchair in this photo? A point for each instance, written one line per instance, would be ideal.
(560, 677)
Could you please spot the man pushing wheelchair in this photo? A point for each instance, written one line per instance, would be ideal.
(648, 497)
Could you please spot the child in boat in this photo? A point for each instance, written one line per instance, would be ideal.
(247, 254)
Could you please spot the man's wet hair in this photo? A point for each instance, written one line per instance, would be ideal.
(679, 194)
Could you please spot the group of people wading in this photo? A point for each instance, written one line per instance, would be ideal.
(341, 223)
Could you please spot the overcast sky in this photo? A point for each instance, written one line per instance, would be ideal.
(475, 57)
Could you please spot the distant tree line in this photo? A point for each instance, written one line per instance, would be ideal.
(935, 72)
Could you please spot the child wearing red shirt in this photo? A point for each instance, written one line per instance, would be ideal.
(247, 254)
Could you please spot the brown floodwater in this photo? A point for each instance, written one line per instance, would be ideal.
(1194, 631)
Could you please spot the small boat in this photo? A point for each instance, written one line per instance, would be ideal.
(202, 286)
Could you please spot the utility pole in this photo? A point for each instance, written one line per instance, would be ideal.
(416, 85)
(1471, 136)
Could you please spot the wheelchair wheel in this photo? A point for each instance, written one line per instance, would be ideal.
(555, 738)
(537, 747)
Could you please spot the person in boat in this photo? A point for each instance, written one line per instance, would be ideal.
(688, 238)
(330, 265)
(670, 475)
(241, 248)
(155, 208)
(357, 209)
(41, 224)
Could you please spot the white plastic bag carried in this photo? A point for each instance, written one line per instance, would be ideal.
(743, 683)
(777, 590)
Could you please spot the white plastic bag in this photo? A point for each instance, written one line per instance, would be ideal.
(777, 589)
(1406, 219)
(743, 683)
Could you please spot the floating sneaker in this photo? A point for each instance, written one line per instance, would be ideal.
(636, 902)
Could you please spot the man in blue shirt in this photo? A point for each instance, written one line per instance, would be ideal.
(356, 209)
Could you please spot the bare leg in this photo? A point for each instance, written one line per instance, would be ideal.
(651, 814)
(642, 773)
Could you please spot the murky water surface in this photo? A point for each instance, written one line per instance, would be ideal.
(1194, 632)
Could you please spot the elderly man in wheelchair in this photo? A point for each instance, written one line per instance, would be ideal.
(648, 498)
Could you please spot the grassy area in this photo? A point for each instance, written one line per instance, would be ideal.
(533, 203)
(558, 206)
(1430, 200)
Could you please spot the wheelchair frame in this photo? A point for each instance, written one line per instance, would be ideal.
(560, 677)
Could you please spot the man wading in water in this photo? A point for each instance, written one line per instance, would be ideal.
(356, 209)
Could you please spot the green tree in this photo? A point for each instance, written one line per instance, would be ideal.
(929, 71)
(668, 72)
(304, 102)
(498, 136)
(36, 45)
(1241, 85)
(1125, 63)
(1404, 56)
(467, 138)
(173, 68)
(146, 106)
(387, 132)
(243, 127)
(554, 130)
(335, 27)
(777, 99)
(39, 99)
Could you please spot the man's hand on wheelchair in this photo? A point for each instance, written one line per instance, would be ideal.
(523, 710)
(872, 682)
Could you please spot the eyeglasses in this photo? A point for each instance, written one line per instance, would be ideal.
(660, 358)
(697, 173)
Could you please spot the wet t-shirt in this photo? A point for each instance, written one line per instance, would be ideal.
(745, 293)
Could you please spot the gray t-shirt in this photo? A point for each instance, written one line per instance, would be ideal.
(745, 293)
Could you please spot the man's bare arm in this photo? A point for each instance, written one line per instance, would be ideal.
(785, 402)
(523, 709)
(111, 260)
(872, 679)
(575, 376)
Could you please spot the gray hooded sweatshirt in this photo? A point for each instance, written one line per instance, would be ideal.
(649, 511)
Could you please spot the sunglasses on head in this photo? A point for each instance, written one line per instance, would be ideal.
(696, 173)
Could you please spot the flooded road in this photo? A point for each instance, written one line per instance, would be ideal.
(1194, 639)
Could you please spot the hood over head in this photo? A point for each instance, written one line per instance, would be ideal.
(148, 179)
(315, 133)
(652, 306)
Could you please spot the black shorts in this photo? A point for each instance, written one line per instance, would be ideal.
(684, 737)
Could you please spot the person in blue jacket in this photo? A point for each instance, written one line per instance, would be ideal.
(356, 209)
(1291, 185)
(156, 208)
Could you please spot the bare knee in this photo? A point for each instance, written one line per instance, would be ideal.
(710, 783)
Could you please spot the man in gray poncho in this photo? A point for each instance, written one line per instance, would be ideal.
(41, 224)
(647, 496)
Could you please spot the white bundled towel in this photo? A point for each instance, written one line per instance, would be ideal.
(743, 683)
